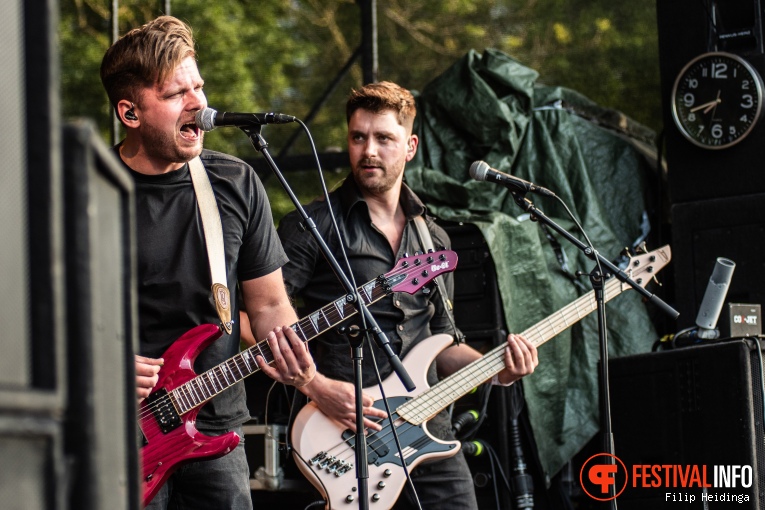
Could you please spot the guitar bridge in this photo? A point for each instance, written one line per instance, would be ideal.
(164, 411)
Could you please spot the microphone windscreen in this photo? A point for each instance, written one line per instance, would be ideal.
(205, 119)
(478, 170)
(714, 297)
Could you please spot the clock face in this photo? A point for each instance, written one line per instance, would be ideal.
(717, 100)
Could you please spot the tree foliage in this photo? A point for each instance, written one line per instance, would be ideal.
(281, 56)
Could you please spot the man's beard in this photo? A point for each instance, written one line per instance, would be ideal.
(373, 184)
(159, 144)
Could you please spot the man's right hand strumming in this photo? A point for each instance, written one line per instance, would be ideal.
(146, 375)
(336, 400)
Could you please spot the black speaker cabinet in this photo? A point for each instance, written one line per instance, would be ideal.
(33, 467)
(705, 230)
(102, 336)
(477, 303)
(688, 28)
(700, 405)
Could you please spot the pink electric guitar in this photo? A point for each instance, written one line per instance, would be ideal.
(167, 417)
(324, 450)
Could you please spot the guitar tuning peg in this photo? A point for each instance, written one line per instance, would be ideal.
(417, 253)
(431, 250)
(406, 254)
(641, 248)
(625, 253)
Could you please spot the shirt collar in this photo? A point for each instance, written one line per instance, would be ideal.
(351, 197)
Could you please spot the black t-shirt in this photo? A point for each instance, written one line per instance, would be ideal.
(174, 282)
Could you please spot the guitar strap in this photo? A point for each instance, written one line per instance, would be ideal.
(426, 241)
(213, 230)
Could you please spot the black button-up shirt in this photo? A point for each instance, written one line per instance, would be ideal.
(406, 319)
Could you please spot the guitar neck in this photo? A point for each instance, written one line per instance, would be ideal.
(449, 390)
(206, 385)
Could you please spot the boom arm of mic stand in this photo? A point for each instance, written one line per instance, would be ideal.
(535, 213)
(257, 140)
(597, 280)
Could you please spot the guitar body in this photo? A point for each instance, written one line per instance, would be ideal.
(164, 451)
(334, 474)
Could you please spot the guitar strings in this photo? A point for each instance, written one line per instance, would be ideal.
(302, 323)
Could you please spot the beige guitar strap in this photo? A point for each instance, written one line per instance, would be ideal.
(426, 241)
(213, 230)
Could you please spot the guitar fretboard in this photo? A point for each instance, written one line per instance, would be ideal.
(206, 385)
(462, 382)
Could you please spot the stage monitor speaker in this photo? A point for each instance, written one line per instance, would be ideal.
(700, 405)
(685, 31)
(702, 231)
(32, 367)
(101, 428)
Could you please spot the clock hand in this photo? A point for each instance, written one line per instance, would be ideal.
(707, 106)
(714, 108)
(713, 105)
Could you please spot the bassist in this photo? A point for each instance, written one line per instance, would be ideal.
(375, 212)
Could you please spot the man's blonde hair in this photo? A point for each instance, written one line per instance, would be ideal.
(145, 56)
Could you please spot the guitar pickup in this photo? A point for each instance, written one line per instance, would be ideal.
(376, 446)
(164, 411)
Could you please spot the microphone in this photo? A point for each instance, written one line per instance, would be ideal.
(464, 419)
(473, 448)
(714, 297)
(208, 119)
(481, 171)
(711, 306)
(521, 482)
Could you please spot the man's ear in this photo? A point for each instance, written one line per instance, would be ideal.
(127, 114)
(411, 147)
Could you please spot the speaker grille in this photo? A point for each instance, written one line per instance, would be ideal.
(698, 405)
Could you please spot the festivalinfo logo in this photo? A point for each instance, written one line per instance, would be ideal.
(604, 477)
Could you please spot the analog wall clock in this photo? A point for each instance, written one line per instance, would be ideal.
(717, 100)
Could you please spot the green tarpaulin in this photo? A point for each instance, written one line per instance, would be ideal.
(489, 107)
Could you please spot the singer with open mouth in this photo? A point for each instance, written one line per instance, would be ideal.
(154, 86)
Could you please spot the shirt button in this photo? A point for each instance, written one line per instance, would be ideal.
(400, 327)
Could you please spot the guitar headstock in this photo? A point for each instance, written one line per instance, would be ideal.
(643, 267)
(413, 273)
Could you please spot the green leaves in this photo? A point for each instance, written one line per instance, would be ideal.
(282, 56)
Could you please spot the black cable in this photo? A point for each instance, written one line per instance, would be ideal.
(758, 348)
(522, 484)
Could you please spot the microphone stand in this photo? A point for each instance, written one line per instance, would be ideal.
(352, 296)
(598, 281)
